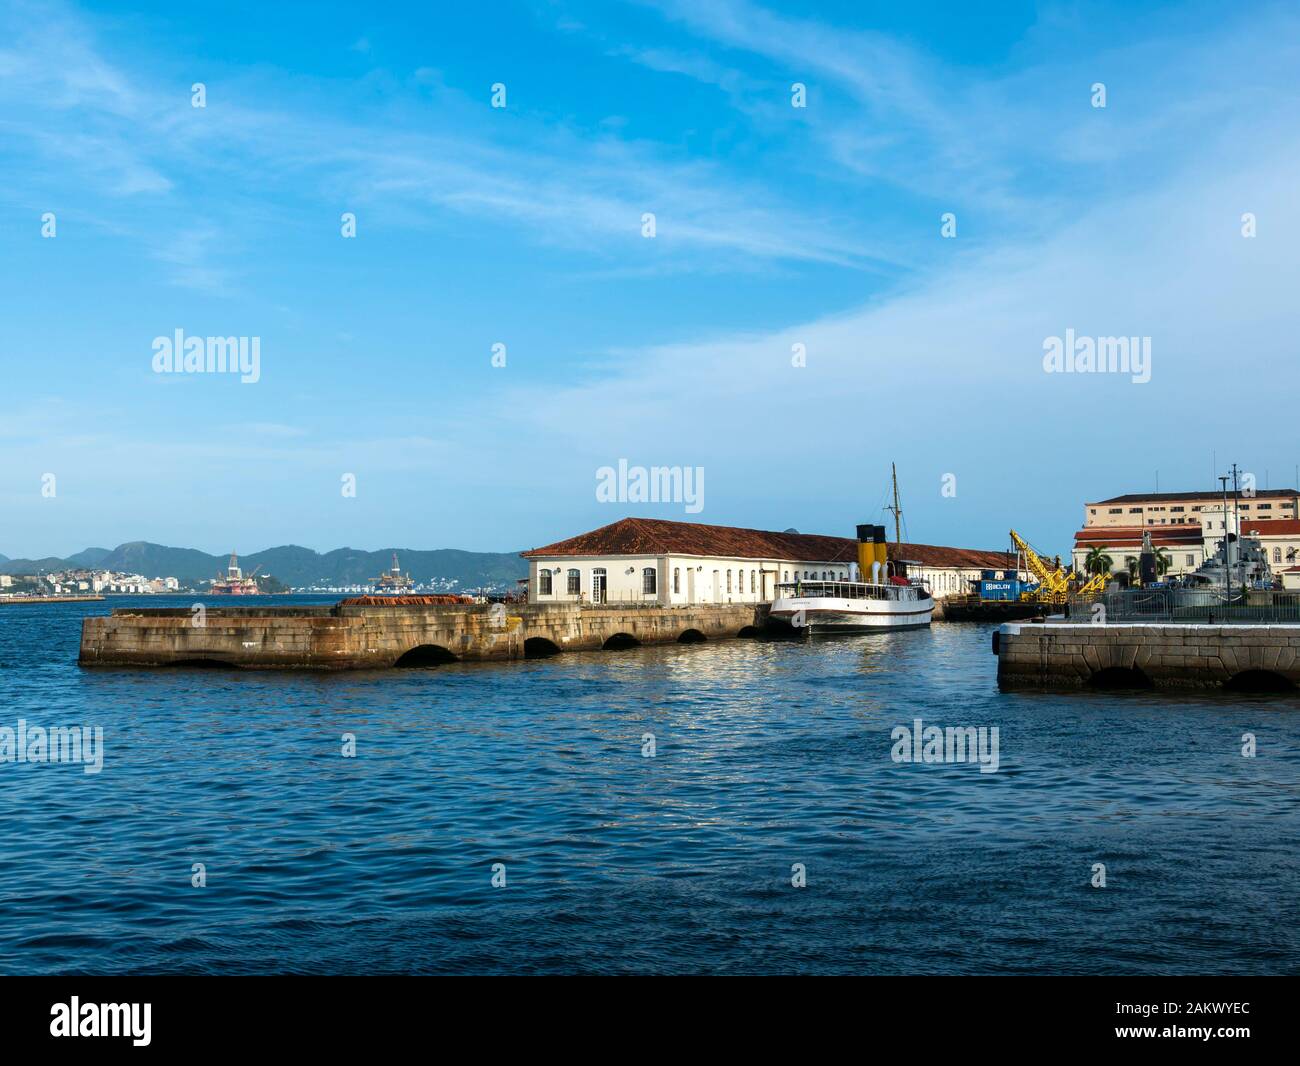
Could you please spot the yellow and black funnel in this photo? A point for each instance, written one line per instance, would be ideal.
(872, 548)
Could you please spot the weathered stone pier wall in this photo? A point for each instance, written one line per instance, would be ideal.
(354, 637)
(1053, 654)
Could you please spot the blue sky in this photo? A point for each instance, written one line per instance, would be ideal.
(521, 225)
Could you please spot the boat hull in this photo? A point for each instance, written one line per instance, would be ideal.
(826, 615)
(973, 609)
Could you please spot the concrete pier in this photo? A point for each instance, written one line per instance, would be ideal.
(353, 637)
(1057, 654)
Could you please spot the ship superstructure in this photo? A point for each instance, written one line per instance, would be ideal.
(392, 583)
(234, 583)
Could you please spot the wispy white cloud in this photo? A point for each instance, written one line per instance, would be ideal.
(1116, 222)
(68, 103)
(1009, 140)
(948, 372)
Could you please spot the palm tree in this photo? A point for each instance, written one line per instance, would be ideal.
(1163, 562)
(1097, 561)
(1132, 563)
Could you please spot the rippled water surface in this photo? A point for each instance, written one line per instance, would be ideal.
(768, 754)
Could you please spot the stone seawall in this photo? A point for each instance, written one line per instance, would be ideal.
(349, 638)
(1055, 654)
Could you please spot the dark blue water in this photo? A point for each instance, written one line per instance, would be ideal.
(768, 754)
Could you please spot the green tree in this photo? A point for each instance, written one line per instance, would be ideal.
(1163, 562)
(1097, 561)
(1131, 561)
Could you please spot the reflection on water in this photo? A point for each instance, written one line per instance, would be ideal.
(766, 754)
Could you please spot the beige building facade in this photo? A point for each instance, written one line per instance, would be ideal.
(1184, 508)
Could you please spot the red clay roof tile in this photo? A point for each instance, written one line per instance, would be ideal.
(1114, 536)
(653, 536)
(1270, 526)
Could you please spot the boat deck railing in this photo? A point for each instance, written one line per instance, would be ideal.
(845, 590)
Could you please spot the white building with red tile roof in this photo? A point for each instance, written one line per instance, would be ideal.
(1185, 546)
(652, 561)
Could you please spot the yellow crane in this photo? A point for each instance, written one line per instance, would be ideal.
(1053, 584)
(1094, 584)
(1049, 581)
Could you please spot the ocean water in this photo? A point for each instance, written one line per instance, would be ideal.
(767, 755)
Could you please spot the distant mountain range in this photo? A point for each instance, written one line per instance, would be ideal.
(291, 564)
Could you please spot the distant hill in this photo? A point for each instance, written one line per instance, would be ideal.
(32, 566)
(89, 557)
(344, 566)
(293, 565)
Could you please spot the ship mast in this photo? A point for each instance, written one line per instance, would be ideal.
(897, 511)
(898, 518)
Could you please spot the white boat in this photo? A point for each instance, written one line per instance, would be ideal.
(880, 597)
(852, 606)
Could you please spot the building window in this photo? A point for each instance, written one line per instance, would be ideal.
(1135, 510)
(753, 581)
(543, 582)
(785, 575)
(1277, 555)
(728, 580)
(649, 581)
(1191, 560)
(677, 580)
(1115, 510)
(575, 582)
